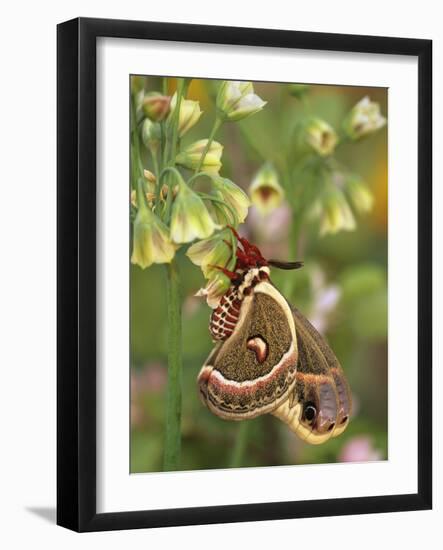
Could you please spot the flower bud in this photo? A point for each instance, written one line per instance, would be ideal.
(210, 252)
(149, 176)
(234, 197)
(151, 242)
(189, 114)
(190, 157)
(190, 218)
(320, 136)
(236, 100)
(337, 215)
(151, 134)
(265, 190)
(359, 194)
(156, 106)
(298, 90)
(150, 196)
(363, 119)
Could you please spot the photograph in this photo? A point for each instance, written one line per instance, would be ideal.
(258, 217)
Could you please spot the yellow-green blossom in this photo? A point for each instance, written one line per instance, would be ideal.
(190, 218)
(359, 194)
(265, 190)
(236, 100)
(151, 241)
(213, 251)
(364, 118)
(320, 136)
(189, 114)
(234, 197)
(337, 215)
(215, 289)
(191, 156)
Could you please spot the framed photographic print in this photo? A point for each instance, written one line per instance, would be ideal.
(244, 274)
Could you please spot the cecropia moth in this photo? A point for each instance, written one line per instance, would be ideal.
(268, 358)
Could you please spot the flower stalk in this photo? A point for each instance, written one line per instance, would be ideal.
(171, 460)
(215, 128)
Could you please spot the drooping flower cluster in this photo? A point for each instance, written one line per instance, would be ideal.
(168, 208)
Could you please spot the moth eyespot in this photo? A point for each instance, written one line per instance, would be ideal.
(344, 419)
(331, 427)
(259, 347)
(309, 412)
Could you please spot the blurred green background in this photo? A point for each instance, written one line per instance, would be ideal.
(342, 289)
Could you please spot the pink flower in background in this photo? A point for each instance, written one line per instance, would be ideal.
(359, 449)
(324, 304)
(272, 227)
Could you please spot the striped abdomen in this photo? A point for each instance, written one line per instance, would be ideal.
(225, 316)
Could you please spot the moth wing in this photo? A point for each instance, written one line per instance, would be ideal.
(253, 371)
(320, 405)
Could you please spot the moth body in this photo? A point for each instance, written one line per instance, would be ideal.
(224, 318)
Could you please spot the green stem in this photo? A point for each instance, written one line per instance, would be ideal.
(222, 203)
(241, 442)
(174, 398)
(217, 124)
(172, 139)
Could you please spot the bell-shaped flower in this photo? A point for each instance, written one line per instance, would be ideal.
(212, 252)
(156, 106)
(236, 100)
(191, 156)
(320, 136)
(190, 218)
(189, 114)
(337, 214)
(265, 190)
(151, 241)
(364, 118)
(233, 196)
(215, 289)
(359, 194)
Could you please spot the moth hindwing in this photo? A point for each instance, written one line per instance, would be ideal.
(320, 405)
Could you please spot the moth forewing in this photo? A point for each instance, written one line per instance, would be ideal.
(253, 371)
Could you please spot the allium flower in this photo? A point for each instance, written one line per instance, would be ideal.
(235, 197)
(151, 243)
(359, 194)
(320, 136)
(236, 100)
(337, 215)
(363, 119)
(190, 217)
(156, 106)
(189, 114)
(151, 134)
(359, 449)
(191, 156)
(265, 190)
(214, 290)
(211, 252)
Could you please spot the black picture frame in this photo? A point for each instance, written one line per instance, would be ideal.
(76, 273)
